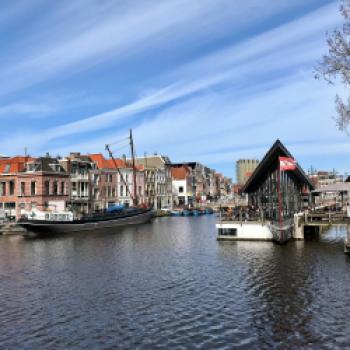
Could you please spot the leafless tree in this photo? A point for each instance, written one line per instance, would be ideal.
(336, 65)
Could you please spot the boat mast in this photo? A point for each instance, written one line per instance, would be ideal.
(119, 172)
(133, 167)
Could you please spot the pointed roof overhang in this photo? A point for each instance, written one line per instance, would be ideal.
(269, 160)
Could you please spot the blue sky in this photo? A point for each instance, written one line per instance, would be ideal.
(208, 80)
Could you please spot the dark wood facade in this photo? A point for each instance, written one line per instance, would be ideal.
(262, 186)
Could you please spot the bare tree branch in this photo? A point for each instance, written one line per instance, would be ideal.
(336, 65)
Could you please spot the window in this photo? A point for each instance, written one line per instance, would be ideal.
(106, 178)
(23, 188)
(7, 168)
(47, 187)
(227, 231)
(140, 190)
(62, 188)
(30, 167)
(121, 191)
(33, 188)
(126, 178)
(181, 189)
(55, 188)
(111, 178)
(3, 189)
(12, 187)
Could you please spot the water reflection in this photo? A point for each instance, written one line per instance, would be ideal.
(170, 284)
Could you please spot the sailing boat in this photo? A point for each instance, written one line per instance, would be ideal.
(110, 218)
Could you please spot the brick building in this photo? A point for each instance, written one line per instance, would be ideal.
(27, 183)
(108, 187)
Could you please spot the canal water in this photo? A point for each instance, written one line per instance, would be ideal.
(171, 285)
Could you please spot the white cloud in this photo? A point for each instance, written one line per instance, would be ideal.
(26, 109)
(118, 31)
(233, 103)
(246, 61)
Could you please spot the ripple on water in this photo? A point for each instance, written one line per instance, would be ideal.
(171, 285)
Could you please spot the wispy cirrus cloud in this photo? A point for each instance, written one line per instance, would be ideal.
(235, 65)
(251, 90)
(26, 109)
(118, 31)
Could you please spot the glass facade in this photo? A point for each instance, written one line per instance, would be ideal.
(265, 197)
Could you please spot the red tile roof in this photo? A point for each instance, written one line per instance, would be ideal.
(180, 173)
(13, 165)
(103, 163)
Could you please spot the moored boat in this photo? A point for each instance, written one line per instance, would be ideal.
(282, 232)
(106, 220)
(176, 212)
(209, 210)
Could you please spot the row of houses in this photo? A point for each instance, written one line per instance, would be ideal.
(88, 183)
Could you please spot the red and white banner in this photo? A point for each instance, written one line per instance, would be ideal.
(287, 163)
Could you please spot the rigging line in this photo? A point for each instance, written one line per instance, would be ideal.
(119, 141)
(123, 147)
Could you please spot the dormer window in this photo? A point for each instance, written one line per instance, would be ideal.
(7, 168)
(55, 167)
(30, 167)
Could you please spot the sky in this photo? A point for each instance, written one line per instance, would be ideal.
(212, 81)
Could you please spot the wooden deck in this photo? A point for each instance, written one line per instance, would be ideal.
(326, 218)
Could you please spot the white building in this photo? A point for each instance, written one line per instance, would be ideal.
(182, 186)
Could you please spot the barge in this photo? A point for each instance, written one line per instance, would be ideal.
(64, 223)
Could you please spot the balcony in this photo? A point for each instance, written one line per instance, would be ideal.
(79, 195)
(77, 176)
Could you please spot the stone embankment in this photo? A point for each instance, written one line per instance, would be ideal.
(11, 228)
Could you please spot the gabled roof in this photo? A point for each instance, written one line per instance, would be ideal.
(269, 160)
(103, 163)
(155, 161)
(180, 173)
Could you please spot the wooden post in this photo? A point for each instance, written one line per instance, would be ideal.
(279, 198)
(347, 240)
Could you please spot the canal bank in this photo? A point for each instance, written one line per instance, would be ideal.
(170, 284)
